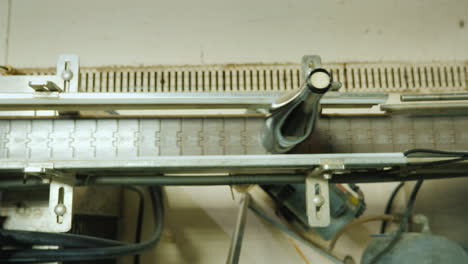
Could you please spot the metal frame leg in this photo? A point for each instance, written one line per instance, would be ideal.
(236, 242)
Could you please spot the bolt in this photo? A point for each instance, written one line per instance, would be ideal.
(318, 200)
(67, 75)
(45, 180)
(60, 209)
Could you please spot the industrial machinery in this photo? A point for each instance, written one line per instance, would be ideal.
(72, 129)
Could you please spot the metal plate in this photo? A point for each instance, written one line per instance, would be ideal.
(34, 209)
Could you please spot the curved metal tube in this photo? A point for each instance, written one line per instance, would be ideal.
(292, 117)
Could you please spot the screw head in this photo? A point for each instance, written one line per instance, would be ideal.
(67, 75)
(60, 209)
(318, 200)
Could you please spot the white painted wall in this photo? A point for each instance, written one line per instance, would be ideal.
(221, 31)
(200, 220)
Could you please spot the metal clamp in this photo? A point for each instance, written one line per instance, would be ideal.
(42, 210)
(68, 71)
(317, 192)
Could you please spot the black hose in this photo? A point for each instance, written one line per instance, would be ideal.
(403, 223)
(139, 225)
(460, 156)
(20, 238)
(61, 255)
(436, 151)
(388, 207)
(196, 180)
(165, 180)
(28, 238)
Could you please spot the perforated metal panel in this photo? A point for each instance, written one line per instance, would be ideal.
(356, 77)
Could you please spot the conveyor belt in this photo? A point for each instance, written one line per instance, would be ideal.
(56, 139)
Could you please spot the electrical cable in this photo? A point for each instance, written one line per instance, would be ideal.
(28, 238)
(291, 233)
(460, 156)
(20, 238)
(299, 251)
(403, 223)
(61, 255)
(309, 240)
(139, 225)
(438, 162)
(165, 180)
(197, 180)
(435, 151)
(388, 207)
(358, 221)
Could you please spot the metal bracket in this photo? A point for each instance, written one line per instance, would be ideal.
(44, 86)
(42, 210)
(61, 205)
(48, 173)
(317, 191)
(317, 201)
(68, 70)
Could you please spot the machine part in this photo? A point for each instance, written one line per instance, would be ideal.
(7, 70)
(433, 97)
(31, 210)
(47, 86)
(256, 103)
(68, 72)
(388, 206)
(81, 254)
(151, 137)
(234, 179)
(237, 236)
(234, 80)
(292, 116)
(317, 201)
(66, 79)
(357, 222)
(402, 227)
(427, 108)
(423, 222)
(28, 238)
(420, 77)
(344, 207)
(235, 164)
(416, 248)
(293, 234)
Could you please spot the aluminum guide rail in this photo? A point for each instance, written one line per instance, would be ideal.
(121, 101)
(187, 164)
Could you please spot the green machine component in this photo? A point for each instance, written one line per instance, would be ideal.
(344, 206)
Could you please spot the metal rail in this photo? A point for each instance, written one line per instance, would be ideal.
(135, 101)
